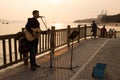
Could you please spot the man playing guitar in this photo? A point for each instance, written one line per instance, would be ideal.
(32, 24)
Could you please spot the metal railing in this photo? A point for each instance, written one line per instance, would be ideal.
(9, 45)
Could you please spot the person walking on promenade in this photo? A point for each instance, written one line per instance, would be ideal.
(94, 29)
(31, 24)
(103, 32)
(110, 33)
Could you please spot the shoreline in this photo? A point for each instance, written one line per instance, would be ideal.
(109, 24)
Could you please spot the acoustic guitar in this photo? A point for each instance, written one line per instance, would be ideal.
(31, 37)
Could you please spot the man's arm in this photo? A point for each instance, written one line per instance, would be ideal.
(28, 26)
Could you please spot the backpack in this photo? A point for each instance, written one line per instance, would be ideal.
(24, 47)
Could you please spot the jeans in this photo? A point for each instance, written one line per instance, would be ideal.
(94, 33)
(33, 51)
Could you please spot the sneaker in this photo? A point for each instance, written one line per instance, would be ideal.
(37, 65)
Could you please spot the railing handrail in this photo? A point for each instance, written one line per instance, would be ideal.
(52, 40)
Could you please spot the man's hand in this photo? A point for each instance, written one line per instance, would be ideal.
(33, 34)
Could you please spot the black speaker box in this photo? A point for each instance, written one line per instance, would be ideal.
(73, 35)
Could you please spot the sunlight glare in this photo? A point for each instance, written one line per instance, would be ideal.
(58, 25)
(56, 1)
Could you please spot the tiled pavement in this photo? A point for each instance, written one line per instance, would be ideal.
(81, 53)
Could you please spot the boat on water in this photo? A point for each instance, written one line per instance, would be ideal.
(5, 23)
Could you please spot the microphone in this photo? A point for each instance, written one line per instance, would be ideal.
(41, 16)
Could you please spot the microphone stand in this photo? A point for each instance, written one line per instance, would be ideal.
(44, 22)
(52, 56)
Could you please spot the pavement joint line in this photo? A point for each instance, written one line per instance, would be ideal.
(86, 63)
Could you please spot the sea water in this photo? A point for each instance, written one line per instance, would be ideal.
(15, 27)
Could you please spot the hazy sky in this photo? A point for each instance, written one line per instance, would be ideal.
(57, 10)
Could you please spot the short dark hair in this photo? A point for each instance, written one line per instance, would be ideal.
(93, 21)
(35, 11)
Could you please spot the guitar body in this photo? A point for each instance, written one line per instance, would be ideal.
(29, 36)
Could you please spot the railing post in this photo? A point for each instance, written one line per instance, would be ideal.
(79, 33)
(53, 40)
(115, 34)
(23, 29)
(68, 33)
(4, 52)
(85, 31)
(52, 45)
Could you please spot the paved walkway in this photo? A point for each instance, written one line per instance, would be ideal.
(108, 54)
(83, 53)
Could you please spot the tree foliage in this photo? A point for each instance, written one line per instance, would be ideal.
(111, 18)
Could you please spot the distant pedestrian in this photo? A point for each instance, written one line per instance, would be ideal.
(110, 33)
(103, 32)
(113, 30)
(94, 29)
